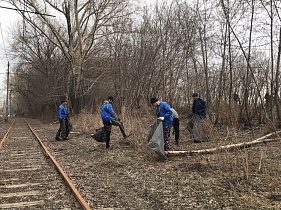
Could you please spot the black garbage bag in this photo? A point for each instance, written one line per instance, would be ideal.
(156, 139)
(99, 135)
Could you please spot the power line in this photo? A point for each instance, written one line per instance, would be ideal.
(21, 10)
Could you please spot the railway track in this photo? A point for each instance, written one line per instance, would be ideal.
(30, 176)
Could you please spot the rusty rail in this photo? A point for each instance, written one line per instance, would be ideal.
(72, 187)
(2, 141)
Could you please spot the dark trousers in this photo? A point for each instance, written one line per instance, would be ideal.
(166, 132)
(176, 124)
(176, 130)
(107, 127)
(62, 130)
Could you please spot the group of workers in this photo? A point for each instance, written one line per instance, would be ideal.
(170, 118)
(164, 112)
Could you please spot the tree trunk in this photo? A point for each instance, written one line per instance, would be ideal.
(277, 81)
(272, 60)
(230, 65)
(205, 62)
(221, 77)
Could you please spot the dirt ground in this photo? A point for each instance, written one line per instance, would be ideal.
(133, 177)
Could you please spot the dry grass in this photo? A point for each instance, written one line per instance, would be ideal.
(136, 124)
(86, 122)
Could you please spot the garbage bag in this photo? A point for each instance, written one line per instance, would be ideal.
(99, 135)
(156, 139)
(195, 128)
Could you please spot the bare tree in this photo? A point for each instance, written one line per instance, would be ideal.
(75, 37)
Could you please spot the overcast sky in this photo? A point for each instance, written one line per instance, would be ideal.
(7, 19)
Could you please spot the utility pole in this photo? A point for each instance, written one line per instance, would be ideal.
(7, 97)
(10, 107)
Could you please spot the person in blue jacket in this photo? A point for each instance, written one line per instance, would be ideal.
(164, 113)
(62, 132)
(109, 118)
(194, 125)
(199, 106)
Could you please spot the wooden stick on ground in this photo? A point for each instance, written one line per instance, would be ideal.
(226, 147)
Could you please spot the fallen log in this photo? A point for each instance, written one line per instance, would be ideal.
(226, 147)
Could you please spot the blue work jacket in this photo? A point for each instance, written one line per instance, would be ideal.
(107, 112)
(62, 111)
(199, 107)
(165, 111)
